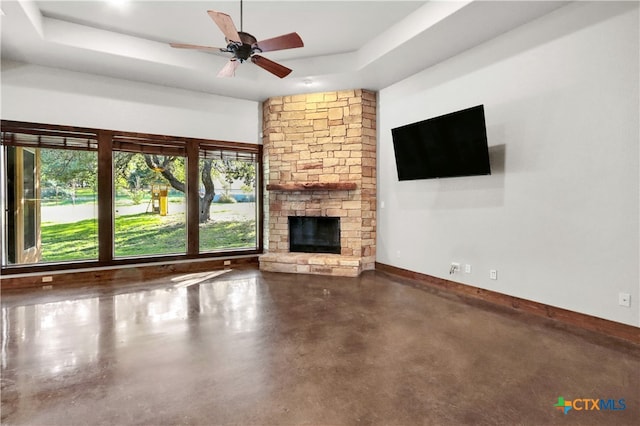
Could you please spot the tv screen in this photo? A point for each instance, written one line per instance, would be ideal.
(450, 145)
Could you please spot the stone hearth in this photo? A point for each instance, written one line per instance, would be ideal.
(320, 160)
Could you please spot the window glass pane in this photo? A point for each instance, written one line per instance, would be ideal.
(150, 204)
(227, 204)
(51, 202)
(69, 205)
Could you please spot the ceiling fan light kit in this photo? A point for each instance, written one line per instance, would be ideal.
(244, 46)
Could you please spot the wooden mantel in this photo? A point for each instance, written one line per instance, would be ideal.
(312, 186)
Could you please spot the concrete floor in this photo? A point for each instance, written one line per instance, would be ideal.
(255, 348)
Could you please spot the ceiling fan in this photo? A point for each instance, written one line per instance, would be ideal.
(244, 46)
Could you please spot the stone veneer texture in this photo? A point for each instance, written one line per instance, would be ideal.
(321, 137)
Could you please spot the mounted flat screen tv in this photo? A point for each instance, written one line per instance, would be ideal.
(450, 145)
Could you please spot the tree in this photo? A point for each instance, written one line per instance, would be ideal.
(172, 169)
(131, 173)
(69, 168)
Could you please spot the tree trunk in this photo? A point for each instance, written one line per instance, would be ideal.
(205, 201)
(73, 192)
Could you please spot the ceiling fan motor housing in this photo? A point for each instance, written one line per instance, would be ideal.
(243, 51)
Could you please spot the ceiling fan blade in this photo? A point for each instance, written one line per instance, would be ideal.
(225, 23)
(229, 70)
(273, 67)
(196, 47)
(287, 41)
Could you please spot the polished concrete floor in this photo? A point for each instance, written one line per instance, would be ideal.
(254, 348)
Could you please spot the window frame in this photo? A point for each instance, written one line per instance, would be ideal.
(109, 141)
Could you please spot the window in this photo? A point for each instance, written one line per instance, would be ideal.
(227, 200)
(91, 197)
(51, 213)
(150, 205)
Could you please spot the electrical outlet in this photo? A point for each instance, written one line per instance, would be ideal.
(467, 269)
(493, 274)
(47, 279)
(624, 299)
(455, 267)
(398, 254)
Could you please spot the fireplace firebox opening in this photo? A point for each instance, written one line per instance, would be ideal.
(314, 234)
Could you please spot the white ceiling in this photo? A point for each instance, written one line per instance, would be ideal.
(368, 44)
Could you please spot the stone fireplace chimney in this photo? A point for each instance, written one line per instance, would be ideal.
(320, 161)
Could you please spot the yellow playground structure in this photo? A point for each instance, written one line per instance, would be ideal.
(160, 198)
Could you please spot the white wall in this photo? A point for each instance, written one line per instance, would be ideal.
(559, 216)
(54, 96)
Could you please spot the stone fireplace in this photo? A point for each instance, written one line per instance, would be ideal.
(320, 162)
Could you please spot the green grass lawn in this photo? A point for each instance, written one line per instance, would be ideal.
(227, 235)
(141, 235)
(147, 234)
(70, 241)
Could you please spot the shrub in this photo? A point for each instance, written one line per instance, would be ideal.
(226, 199)
(60, 193)
(136, 196)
